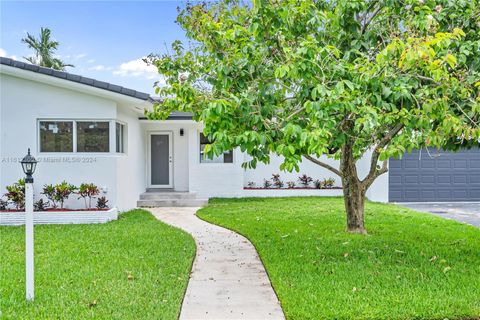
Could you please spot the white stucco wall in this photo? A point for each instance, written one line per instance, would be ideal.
(130, 170)
(124, 176)
(23, 102)
(377, 192)
(265, 171)
(214, 179)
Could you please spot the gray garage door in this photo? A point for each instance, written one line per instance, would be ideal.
(438, 176)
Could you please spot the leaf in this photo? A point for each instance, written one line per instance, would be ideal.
(451, 60)
(446, 269)
(386, 92)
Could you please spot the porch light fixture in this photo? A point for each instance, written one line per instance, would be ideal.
(181, 132)
(28, 165)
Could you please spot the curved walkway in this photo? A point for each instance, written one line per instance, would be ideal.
(228, 280)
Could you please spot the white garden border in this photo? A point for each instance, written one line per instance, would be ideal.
(59, 217)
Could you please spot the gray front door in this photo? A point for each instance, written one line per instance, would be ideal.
(160, 160)
(435, 176)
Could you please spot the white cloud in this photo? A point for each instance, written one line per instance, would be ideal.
(80, 56)
(3, 53)
(137, 68)
(100, 67)
(91, 61)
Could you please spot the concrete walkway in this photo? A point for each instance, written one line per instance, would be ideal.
(228, 280)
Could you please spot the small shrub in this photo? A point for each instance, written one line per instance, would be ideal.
(63, 191)
(3, 204)
(328, 183)
(291, 184)
(318, 184)
(58, 193)
(276, 180)
(266, 183)
(305, 180)
(40, 205)
(88, 190)
(16, 194)
(49, 192)
(102, 203)
(251, 184)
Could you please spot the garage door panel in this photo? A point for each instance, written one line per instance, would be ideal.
(411, 179)
(412, 194)
(474, 194)
(428, 194)
(444, 179)
(427, 164)
(461, 194)
(474, 179)
(444, 164)
(460, 179)
(409, 164)
(435, 176)
(460, 164)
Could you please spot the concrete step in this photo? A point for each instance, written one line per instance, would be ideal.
(149, 195)
(172, 203)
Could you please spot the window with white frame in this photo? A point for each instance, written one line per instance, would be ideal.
(85, 136)
(226, 157)
(56, 136)
(120, 137)
(93, 136)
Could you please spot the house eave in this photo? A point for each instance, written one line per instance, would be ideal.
(72, 85)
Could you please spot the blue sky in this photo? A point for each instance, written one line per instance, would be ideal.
(105, 40)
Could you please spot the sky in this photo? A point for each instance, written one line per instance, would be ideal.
(105, 40)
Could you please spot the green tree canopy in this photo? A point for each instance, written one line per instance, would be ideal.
(44, 49)
(340, 78)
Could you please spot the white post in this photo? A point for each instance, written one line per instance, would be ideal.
(29, 239)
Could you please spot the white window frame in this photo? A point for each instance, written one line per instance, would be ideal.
(111, 143)
(124, 137)
(199, 151)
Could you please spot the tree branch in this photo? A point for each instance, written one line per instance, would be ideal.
(371, 17)
(324, 165)
(374, 170)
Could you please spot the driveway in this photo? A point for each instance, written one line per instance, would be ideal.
(466, 212)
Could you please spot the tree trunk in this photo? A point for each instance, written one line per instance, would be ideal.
(354, 198)
(353, 191)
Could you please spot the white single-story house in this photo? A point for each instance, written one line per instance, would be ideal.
(84, 130)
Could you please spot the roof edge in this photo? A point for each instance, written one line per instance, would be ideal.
(76, 79)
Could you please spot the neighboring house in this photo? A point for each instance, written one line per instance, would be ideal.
(84, 130)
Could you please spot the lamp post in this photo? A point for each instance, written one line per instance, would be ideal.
(28, 165)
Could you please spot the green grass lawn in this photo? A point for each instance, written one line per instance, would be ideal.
(133, 268)
(409, 266)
